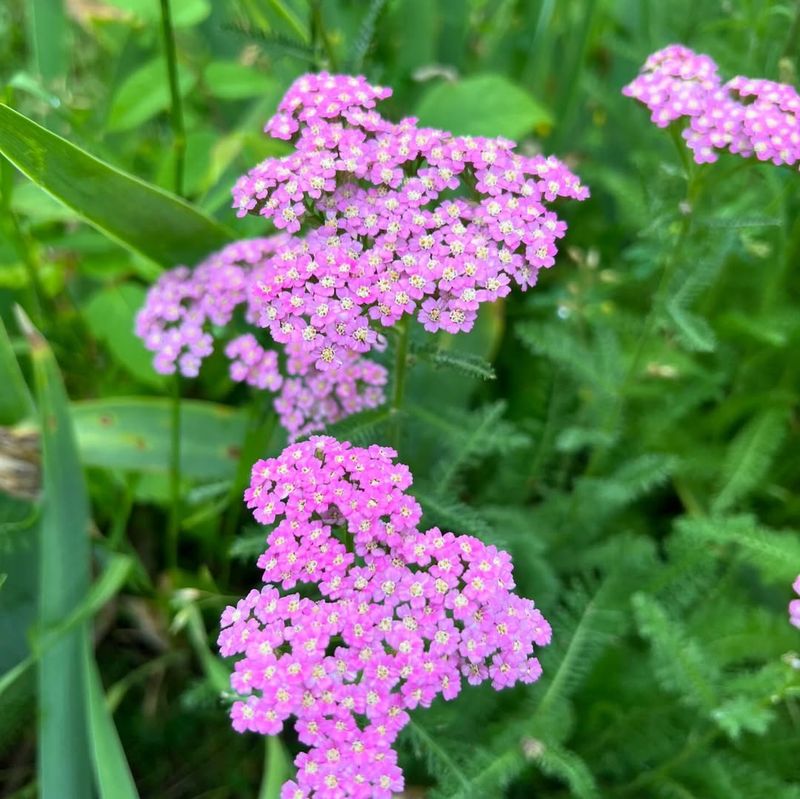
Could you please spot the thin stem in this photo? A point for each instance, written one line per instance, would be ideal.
(176, 106)
(174, 475)
(400, 371)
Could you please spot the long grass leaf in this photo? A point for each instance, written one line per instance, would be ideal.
(142, 217)
(47, 35)
(64, 766)
(15, 399)
(111, 770)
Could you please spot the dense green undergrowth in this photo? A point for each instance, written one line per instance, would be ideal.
(628, 429)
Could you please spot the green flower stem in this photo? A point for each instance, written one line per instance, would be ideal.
(400, 372)
(173, 527)
(176, 105)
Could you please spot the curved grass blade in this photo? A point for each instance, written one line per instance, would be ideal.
(139, 216)
(64, 766)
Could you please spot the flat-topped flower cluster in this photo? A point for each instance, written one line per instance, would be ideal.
(745, 116)
(186, 309)
(400, 616)
(794, 605)
(398, 219)
(379, 220)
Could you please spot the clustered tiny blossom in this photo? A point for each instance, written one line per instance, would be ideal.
(794, 605)
(389, 219)
(186, 308)
(745, 116)
(401, 616)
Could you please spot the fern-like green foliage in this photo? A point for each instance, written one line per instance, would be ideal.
(678, 661)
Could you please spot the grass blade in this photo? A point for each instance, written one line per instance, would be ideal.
(15, 399)
(112, 773)
(277, 768)
(64, 768)
(142, 217)
(47, 34)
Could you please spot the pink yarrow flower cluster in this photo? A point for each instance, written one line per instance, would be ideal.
(363, 617)
(794, 605)
(745, 116)
(392, 219)
(186, 309)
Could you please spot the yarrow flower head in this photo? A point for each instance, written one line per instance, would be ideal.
(186, 310)
(745, 116)
(363, 617)
(794, 605)
(391, 219)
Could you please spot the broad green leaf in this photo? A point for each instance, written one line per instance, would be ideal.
(64, 770)
(144, 94)
(111, 770)
(144, 218)
(229, 80)
(15, 399)
(482, 105)
(110, 314)
(133, 433)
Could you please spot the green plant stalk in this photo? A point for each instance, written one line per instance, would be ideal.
(176, 104)
(400, 373)
(173, 527)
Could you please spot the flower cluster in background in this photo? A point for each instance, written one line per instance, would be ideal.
(402, 616)
(745, 116)
(794, 605)
(186, 307)
(390, 219)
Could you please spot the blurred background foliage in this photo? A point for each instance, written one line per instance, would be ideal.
(635, 449)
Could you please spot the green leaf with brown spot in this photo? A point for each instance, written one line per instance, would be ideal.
(133, 434)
